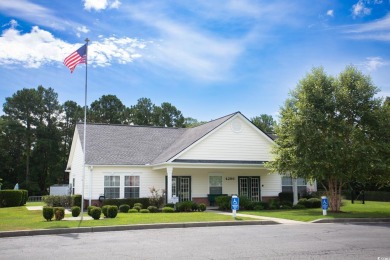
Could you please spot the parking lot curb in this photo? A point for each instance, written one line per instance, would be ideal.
(352, 220)
(59, 231)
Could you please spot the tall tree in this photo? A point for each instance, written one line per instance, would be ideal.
(22, 107)
(142, 112)
(327, 130)
(108, 110)
(46, 168)
(167, 115)
(264, 122)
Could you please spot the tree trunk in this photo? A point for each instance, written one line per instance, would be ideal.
(334, 194)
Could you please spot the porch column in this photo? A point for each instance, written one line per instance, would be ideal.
(169, 184)
(295, 191)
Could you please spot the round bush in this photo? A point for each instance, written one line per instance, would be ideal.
(76, 200)
(144, 211)
(167, 210)
(202, 207)
(10, 198)
(138, 205)
(89, 209)
(133, 211)
(299, 206)
(96, 212)
(75, 211)
(124, 208)
(137, 208)
(47, 213)
(112, 211)
(59, 213)
(153, 209)
(104, 210)
(315, 203)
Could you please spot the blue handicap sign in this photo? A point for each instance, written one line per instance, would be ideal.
(235, 203)
(324, 202)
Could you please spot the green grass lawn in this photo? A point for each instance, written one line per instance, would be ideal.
(19, 218)
(371, 209)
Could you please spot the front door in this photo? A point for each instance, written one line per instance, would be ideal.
(249, 187)
(181, 187)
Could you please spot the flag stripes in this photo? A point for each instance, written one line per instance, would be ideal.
(77, 57)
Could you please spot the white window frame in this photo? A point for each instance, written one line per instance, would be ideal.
(301, 185)
(139, 185)
(215, 175)
(119, 186)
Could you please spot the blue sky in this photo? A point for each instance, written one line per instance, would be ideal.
(208, 58)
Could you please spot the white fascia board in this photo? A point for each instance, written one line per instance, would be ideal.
(206, 166)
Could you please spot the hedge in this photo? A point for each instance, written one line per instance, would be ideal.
(128, 201)
(11, 198)
(57, 201)
(76, 200)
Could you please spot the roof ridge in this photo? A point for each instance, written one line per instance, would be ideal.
(145, 126)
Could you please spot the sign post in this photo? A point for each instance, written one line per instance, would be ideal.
(235, 205)
(324, 203)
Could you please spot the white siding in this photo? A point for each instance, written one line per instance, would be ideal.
(77, 166)
(236, 140)
(148, 179)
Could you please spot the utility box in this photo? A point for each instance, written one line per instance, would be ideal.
(60, 189)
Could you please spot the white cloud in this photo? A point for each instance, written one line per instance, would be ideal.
(81, 29)
(99, 5)
(34, 13)
(40, 47)
(376, 30)
(330, 13)
(373, 63)
(359, 9)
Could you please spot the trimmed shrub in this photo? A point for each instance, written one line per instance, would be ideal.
(223, 202)
(133, 211)
(167, 210)
(24, 197)
(138, 208)
(47, 212)
(171, 205)
(156, 199)
(124, 208)
(299, 206)
(286, 196)
(112, 211)
(303, 202)
(274, 204)
(315, 203)
(153, 209)
(184, 206)
(144, 211)
(96, 212)
(260, 205)
(57, 201)
(202, 207)
(76, 200)
(59, 213)
(75, 211)
(194, 206)
(246, 203)
(89, 209)
(10, 198)
(104, 210)
(138, 204)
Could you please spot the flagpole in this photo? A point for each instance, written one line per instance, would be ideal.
(85, 128)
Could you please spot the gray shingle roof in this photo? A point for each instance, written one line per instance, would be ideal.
(138, 145)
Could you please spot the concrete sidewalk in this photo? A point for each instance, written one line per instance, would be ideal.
(277, 220)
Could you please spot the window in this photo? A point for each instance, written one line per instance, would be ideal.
(131, 186)
(215, 184)
(73, 184)
(287, 185)
(111, 187)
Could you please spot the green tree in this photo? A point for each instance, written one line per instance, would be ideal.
(264, 122)
(108, 110)
(23, 107)
(142, 112)
(327, 131)
(167, 115)
(192, 122)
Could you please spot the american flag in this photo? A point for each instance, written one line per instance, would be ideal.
(77, 57)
